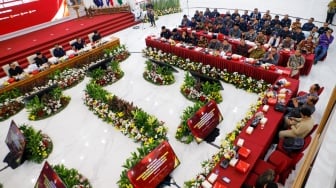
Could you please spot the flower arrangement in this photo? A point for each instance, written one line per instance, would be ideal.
(38, 145)
(200, 91)
(71, 177)
(68, 77)
(10, 104)
(227, 149)
(183, 133)
(118, 53)
(160, 75)
(240, 81)
(47, 105)
(146, 148)
(130, 120)
(103, 77)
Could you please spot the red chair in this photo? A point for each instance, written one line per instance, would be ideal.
(280, 147)
(281, 161)
(261, 166)
(251, 179)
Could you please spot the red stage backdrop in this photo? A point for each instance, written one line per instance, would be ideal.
(153, 168)
(205, 121)
(48, 178)
(19, 14)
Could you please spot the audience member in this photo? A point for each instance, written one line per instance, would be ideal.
(96, 36)
(226, 46)
(235, 14)
(268, 15)
(192, 39)
(261, 38)
(265, 178)
(322, 48)
(243, 25)
(207, 13)
(184, 37)
(324, 28)
(331, 11)
(299, 128)
(214, 43)
(78, 44)
(275, 37)
(15, 70)
(251, 35)
(308, 26)
(286, 21)
(185, 21)
(255, 14)
(235, 32)
(242, 48)
(307, 46)
(165, 33)
(296, 62)
(256, 52)
(287, 43)
(266, 28)
(41, 61)
(175, 35)
(202, 42)
(275, 21)
(314, 34)
(296, 24)
(215, 13)
(298, 35)
(245, 16)
(271, 56)
(285, 32)
(193, 23)
(58, 51)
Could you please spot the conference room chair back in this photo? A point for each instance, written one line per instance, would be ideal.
(31, 58)
(301, 93)
(90, 36)
(51, 50)
(6, 67)
(281, 161)
(72, 41)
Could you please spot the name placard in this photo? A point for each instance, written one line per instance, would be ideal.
(154, 167)
(205, 120)
(49, 178)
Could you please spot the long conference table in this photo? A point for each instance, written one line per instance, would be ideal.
(257, 142)
(239, 65)
(283, 54)
(85, 58)
(260, 139)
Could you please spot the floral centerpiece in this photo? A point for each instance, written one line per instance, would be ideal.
(133, 160)
(227, 149)
(200, 91)
(47, 105)
(68, 77)
(118, 53)
(38, 145)
(183, 133)
(130, 120)
(240, 81)
(71, 177)
(103, 77)
(10, 104)
(160, 75)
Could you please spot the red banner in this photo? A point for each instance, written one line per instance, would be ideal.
(17, 14)
(48, 178)
(205, 121)
(153, 168)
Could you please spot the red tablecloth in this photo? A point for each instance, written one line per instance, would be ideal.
(236, 177)
(239, 66)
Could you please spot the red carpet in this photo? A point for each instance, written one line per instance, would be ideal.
(17, 49)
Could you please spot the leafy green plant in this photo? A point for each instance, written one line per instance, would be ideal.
(97, 92)
(38, 145)
(71, 177)
(97, 73)
(12, 94)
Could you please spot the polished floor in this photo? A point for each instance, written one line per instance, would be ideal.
(98, 150)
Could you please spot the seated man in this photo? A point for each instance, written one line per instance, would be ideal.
(165, 33)
(41, 61)
(79, 44)
(202, 42)
(226, 46)
(294, 113)
(58, 51)
(214, 43)
(271, 57)
(298, 35)
(185, 21)
(250, 35)
(323, 45)
(261, 38)
(301, 128)
(309, 25)
(286, 21)
(175, 35)
(15, 71)
(256, 52)
(313, 91)
(235, 32)
(242, 48)
(265, 178)
(296, 24)
(307, 45)
(96, 36)
(296, 62)
(287, 43)
(324, 28)
(314, 34)
(275, 36)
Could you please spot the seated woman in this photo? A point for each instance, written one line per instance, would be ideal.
(296, 62)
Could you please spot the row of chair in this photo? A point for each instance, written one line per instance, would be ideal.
(31, 58)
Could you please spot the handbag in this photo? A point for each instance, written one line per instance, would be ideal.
(293, 144)
(280, 107)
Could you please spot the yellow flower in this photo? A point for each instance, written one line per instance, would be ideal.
(32, 117)
(120, 114)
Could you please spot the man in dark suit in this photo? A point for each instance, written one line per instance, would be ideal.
(40, 60)
(96, 36)
(58, 51)
(79, 44)
(14, 70)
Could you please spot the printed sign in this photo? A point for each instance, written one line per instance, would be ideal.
(49, 178)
